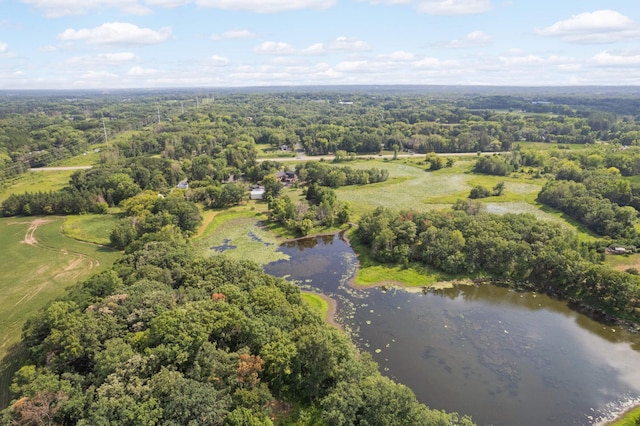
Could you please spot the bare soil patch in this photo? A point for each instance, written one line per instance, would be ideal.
(29, 236)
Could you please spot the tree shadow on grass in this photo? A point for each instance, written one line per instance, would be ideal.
(12, 361)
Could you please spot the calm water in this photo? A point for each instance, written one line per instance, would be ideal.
(506, 358)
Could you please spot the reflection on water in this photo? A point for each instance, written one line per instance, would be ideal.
(504, 357)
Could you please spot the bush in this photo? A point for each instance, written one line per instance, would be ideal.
(479, 192)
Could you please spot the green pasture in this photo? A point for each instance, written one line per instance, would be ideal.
(42, 181)
(38, 263)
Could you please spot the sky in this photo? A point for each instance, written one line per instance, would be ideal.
(102, 44)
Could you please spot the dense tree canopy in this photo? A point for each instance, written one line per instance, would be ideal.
(168, 338)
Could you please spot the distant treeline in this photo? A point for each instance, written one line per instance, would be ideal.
(36, 132)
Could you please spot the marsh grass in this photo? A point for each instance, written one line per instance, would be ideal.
(239, 233)
(317, 303)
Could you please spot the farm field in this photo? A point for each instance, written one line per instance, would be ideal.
(38, 263)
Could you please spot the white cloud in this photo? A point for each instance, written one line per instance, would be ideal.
(266, 6)
(601, 26)
(97, 76)
(103, 59)
(117, 33)
(218, 61)
(234, 35)
(340, 44)
(60, 8)
(524, 60)
(140, 71)
(355, 66)
(435, 63)
(167, 3)
(454, 7)
(4, 47)
(275, 48)
(609, 59)
(473, 39)
(398, 56)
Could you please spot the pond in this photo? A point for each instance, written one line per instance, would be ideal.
(501, 356)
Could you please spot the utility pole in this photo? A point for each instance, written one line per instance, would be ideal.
(182, 106)
(104, 127)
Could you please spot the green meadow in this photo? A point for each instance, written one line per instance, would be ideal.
(34, 182)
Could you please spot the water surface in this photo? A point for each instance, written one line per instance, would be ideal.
(505, 358)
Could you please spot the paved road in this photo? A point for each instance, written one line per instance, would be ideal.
(53, 169)
(301, 157)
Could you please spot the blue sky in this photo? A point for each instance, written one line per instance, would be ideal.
(69, 44)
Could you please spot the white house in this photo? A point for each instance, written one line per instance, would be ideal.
(257, 193)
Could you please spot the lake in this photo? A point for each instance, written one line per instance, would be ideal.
(503, 357)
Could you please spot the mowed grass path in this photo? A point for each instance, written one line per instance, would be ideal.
(38, 263)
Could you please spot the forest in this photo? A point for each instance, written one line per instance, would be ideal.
(168, 337)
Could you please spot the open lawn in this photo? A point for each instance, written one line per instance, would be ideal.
(38, 263)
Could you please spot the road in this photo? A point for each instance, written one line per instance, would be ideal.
(301, 157)
(54, 169)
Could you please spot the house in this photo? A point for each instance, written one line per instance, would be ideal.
(257, 193)
(286, 178)
(619, 250)
(183, 184)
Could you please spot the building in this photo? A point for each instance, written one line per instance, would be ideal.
(183, 184)
(257, 193)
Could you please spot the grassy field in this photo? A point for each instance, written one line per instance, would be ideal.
(91, 228)
(411, 187)
(38, 263)
(86, 159)
(34, 182)
(623, 262)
